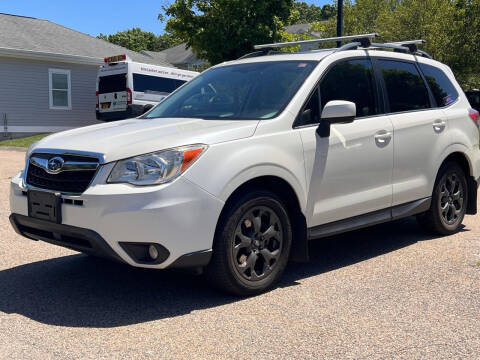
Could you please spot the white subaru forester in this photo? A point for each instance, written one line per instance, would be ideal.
(239, 169)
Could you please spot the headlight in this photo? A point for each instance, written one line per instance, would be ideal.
(155, 168)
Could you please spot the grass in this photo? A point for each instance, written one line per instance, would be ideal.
(22, 142)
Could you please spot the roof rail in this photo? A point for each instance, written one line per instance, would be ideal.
(315, 41)
(400, 46)
(363, 41)
(410, 46)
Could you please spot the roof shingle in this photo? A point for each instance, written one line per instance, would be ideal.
(32, 34)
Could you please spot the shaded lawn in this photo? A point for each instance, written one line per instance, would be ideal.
(22, 142)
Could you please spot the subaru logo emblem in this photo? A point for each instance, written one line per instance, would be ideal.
(55, 165)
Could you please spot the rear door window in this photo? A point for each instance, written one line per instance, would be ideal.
(147, 83)
(441, 87)
(405, 87)
(112, 83)
(353, 81)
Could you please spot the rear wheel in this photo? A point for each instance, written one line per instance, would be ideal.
(252, 245)
(449, 201)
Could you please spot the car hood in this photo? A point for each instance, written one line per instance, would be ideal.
(122, 139)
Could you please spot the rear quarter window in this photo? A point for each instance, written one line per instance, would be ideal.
(442, 88)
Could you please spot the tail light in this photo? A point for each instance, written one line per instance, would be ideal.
(97, 105)
(129, 96)
(474, 116)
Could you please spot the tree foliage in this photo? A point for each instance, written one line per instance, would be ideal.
(451, 29)
(311, 13)
(135, 39)
(220, 30)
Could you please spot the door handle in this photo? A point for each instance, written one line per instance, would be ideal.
(383, 137)
(439, 125)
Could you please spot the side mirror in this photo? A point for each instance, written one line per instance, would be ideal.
(336, 112)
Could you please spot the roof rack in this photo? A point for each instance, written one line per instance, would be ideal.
(315, 41)
(412, 46)
(363, 40)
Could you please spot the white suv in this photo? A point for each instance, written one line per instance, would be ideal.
(239, 169)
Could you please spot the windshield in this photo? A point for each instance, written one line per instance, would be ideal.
(244, 91)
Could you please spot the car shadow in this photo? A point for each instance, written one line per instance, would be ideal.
(79, 291)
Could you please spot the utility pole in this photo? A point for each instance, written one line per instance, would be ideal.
(339, 21)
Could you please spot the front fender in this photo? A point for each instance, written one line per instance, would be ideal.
(226, 166)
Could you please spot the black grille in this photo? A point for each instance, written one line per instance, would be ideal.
(67, 181)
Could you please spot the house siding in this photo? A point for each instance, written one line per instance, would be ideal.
(24, 96)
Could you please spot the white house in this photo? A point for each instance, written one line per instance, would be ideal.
(48, 75)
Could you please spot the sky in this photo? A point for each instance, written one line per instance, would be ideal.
(94, 17)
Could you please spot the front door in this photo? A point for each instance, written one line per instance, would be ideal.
(350, 172)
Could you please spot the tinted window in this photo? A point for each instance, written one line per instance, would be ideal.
(112, 83)
(405, 87)
(442, 89)
(147, 83)
(243, 91)
(311, 111)
(351, 81)
(474, 98)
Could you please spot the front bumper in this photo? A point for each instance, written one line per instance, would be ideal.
(179, 216)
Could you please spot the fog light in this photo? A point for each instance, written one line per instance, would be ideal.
(146, 253)
(153, 252)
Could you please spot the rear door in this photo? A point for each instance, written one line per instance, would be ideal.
(112, 92)
(419, 128)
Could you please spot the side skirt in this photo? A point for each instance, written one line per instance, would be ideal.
(373, 218)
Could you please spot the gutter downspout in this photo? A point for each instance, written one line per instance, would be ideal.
(5, 125)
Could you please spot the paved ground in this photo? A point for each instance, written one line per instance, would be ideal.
(382, 293)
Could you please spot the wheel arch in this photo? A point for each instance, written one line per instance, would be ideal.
(287, 194)
(460, 158)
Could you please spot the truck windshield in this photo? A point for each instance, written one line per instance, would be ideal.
(112, 83)
(245, 91)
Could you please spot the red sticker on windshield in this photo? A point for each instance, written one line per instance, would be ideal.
(302, 64)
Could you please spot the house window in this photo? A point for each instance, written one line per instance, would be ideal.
(60, 91)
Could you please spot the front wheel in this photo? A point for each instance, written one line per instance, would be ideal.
(449, 201)
(252, 244)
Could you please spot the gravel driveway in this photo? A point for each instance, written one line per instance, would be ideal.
(385, 292)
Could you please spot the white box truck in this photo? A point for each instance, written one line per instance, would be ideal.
(128, 89)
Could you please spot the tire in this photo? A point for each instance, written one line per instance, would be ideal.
(252, 244)
(449, 201)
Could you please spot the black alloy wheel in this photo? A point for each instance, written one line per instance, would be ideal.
(252, 244)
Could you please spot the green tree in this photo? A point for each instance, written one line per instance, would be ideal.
(328, 11)
(451, 29)
(447, 28)
(306, 14)
(467, 39)
(166, 41)
(220, 30)
(135, 39)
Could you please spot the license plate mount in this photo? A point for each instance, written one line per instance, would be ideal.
(45, 206)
